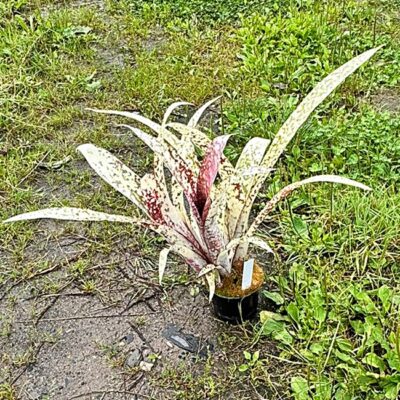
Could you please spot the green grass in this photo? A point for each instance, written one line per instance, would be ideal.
(6, 392)
(336, 280)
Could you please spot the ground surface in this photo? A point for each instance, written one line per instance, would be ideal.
(81, 312)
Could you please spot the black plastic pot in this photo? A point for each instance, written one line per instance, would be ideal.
(236, 310)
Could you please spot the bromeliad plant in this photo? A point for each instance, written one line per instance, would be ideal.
(205, 220)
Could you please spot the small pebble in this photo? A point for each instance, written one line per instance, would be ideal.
(133, 358)
(146, 366)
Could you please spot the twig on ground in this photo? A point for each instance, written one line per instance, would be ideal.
(141, 336)
(45, 309)
(109, 392)
(33, 169)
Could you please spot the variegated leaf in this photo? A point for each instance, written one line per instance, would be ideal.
(175, 212)
(180, 157)
(192, 258)
(153, 199)
(135, 116)
(202, 141)
(196, 228)
(209, 170)
(240, 184)
(207, 269)
(176, 196)
(236, 197)
(170, 154)
(185, 175)
(262, 244)
(250, 172)
(172, 108)
(194, 135)
(215, 232)
(199, 113)
(73, 214)
(154, 143)
(225, 255)
(293, 123)
(241, 227)
(250, 160)
(286, 191)
(161, 131)
(211, 279)
(114, 172)
(213, 235)
(191, 221)
(161, 210)
(231, 247)
(310, 103)
(181, 245)
(162, 263)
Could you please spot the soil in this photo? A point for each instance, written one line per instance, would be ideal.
(387, 100)
(231, 284)
(68, 343)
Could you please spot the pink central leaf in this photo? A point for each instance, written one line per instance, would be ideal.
(208, 171)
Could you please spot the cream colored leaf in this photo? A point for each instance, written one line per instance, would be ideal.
(253, 153)
(250, 159)
(132, 115)
(198, 114)
(262, 244)
(72, 214)
(172, 108)
(192, 258)
(162, 263)
(241, 183)
(114, 172)
(211, 281)
(236, 197)
(286, 191)
(232, 246)
(289, 129)
(310, 103)
(215, 230)
(206, 270)
(182, 246)
(184, 172)
(163, 133)
(199, 138)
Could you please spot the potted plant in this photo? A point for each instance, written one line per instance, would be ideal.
(205, 220)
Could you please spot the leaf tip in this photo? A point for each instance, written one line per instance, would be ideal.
(83, 148)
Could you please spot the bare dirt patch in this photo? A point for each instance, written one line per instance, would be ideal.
(110, 344)
(98, 4)
(387, 100)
